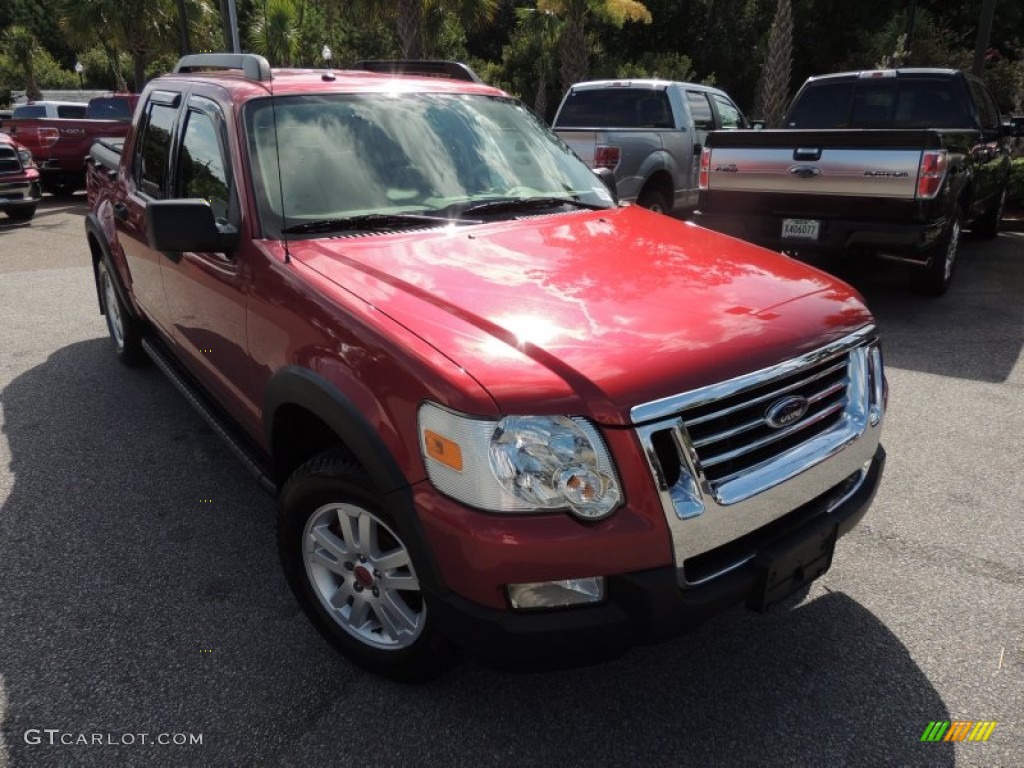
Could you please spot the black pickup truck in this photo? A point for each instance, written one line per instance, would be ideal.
(890, 162)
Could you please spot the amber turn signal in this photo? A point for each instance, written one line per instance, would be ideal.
(442, 449)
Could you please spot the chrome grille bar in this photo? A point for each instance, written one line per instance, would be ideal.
(764, 398)
(754, 424)
(772, 438)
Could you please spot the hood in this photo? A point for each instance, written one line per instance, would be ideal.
(592, 313)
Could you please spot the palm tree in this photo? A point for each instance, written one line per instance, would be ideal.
(141, 28)
(575, 54)
(275, 33)
(22, 45)
(543, 27)
(184, 45)
(773, 88)
(408, 16)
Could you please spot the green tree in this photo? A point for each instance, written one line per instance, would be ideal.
(275, 34)
(21, 46)
(575, 53)
(773, 90)
(540, 29)
(85, 24)
(409, 17)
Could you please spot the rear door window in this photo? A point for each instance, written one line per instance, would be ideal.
(72, 111)
(986, 109)
(700, 108)
(728, 113)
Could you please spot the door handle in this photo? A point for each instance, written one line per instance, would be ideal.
(121, 211)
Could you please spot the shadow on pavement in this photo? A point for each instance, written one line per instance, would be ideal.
(975, 331)
(141, 594)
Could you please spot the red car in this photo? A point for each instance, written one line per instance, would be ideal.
(499, 410)
(19, 180)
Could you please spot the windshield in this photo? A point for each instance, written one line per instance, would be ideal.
(343, 156)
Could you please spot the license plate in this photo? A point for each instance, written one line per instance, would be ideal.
(793, 563)
(800, 229)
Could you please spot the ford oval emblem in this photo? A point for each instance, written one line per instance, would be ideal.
(786, 411)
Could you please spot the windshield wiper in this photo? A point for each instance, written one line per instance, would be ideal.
(529, 204)
(371, 221)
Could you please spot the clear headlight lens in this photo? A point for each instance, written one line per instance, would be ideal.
(548, 462)
(26, 159)
(520, 463)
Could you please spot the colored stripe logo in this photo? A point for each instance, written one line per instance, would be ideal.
(959, 730)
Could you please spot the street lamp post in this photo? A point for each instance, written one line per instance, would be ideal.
(80, 69)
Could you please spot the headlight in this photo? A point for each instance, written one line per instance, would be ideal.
(520, 463)
(26, 159)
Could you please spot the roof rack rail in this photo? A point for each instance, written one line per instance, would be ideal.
(454, 70)
(254, 67)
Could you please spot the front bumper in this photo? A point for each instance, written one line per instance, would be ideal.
(648, 606)
(19, 192)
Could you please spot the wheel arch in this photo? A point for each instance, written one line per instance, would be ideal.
(99, 249)
(300, 403)
(295, 390)
(660, 181)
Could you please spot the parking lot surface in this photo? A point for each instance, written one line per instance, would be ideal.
(140, 594)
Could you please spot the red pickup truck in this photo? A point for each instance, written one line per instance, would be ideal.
(499, 410)
(59, 145)
(19, 180)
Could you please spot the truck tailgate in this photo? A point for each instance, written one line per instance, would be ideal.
(582, 143)
(855, 163)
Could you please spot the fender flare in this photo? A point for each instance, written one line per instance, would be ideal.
(94, 229)
(294, 385)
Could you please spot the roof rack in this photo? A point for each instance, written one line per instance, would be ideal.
(454, 70)
(254, 67)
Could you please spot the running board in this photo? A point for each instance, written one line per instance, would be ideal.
(217, 422)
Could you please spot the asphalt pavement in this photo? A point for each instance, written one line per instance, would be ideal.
(141, 600)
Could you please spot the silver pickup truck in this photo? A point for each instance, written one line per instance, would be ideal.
(648, 132)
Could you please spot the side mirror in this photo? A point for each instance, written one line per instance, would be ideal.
(758, 125)
(174, 226)
(607, 175)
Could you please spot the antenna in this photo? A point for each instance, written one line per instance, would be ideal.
(328, 74)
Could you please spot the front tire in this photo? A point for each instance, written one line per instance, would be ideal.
(125, 330)
(353, 574)
(934, 278)
(21, 213)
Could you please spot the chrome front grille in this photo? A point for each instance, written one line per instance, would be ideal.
(732, 435)
(723, 472)
(9, 162)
